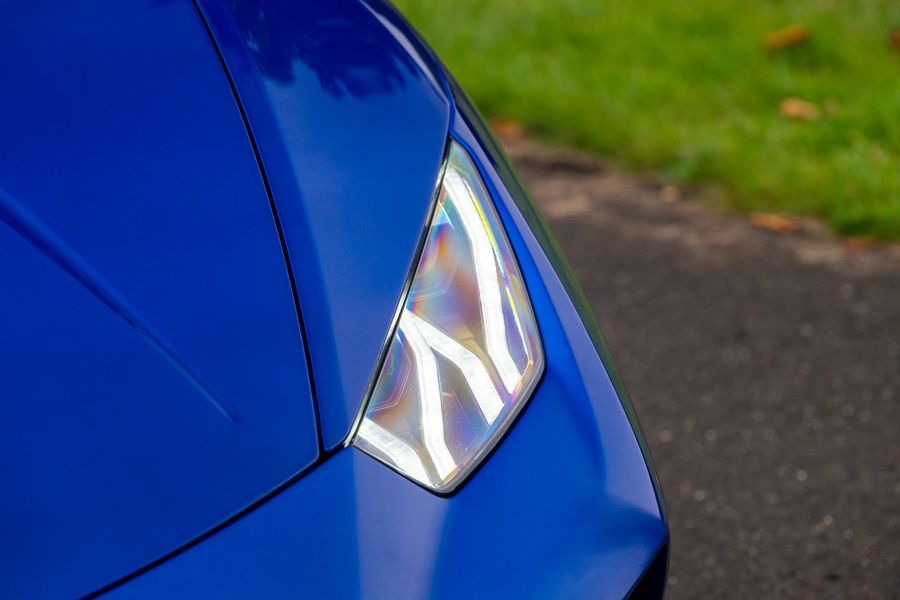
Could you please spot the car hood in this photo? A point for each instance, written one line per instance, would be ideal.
(350, 122)
(179, 183)
(152, 368)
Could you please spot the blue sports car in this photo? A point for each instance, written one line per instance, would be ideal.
(278, 320)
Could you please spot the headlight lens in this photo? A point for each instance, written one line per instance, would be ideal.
(466, 353)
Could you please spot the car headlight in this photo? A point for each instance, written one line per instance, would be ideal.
(466, 353)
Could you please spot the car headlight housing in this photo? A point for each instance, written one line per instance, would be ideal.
(466, 353)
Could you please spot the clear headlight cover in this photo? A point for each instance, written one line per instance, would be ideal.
(466, 353)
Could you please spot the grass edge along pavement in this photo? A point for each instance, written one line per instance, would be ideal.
(785, 107)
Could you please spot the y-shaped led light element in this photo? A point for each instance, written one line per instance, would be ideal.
(466, 354)
(475, 372)
(431, 421)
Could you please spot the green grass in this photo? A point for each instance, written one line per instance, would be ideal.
(684, 88)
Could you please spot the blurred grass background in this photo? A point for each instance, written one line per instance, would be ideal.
(779, 106)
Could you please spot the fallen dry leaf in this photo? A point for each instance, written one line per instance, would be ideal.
(670, 193)
(859, 244)
(787, 37)
(773, 222)
(507, 129)
(795, 108)
(894, 39)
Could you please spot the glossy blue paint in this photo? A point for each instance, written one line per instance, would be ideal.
(565, 506)
(351, 125)
(158, 411)
(152, 372)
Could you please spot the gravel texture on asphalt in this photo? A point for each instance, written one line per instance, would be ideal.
(765, 369)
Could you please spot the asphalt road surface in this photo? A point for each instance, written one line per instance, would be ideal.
(765, 368)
